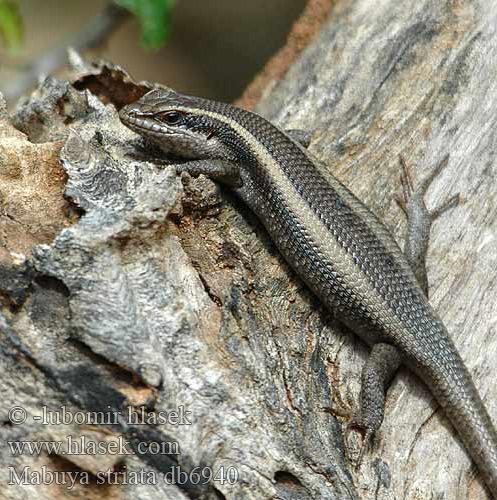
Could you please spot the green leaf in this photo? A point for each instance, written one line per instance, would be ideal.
(155, 19)
(11, 27)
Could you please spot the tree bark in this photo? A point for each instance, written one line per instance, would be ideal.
(166, 295)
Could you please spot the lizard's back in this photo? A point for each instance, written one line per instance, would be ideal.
(353, 264)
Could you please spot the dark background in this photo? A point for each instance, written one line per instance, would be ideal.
(215, 49)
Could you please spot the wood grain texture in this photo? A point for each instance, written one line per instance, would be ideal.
(168, 293)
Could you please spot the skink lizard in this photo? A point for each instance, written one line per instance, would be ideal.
(336, 245)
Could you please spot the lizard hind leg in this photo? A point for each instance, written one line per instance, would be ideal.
(419, 218)
(377, 373)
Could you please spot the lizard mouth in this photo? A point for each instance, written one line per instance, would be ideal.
(141, 122)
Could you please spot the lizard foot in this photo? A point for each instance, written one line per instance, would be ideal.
(353, 425)
(366, 433)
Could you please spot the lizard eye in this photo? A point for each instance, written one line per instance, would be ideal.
(171, 117)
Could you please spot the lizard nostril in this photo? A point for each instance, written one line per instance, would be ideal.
(125, 114)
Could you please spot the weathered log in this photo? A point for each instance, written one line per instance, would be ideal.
(165, 294)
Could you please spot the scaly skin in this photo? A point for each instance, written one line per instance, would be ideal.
(335, 244)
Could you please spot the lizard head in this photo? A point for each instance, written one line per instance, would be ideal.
(177, 123)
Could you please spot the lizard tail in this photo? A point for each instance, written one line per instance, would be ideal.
(457, 394)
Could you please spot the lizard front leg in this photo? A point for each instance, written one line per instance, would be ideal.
(219, 170)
